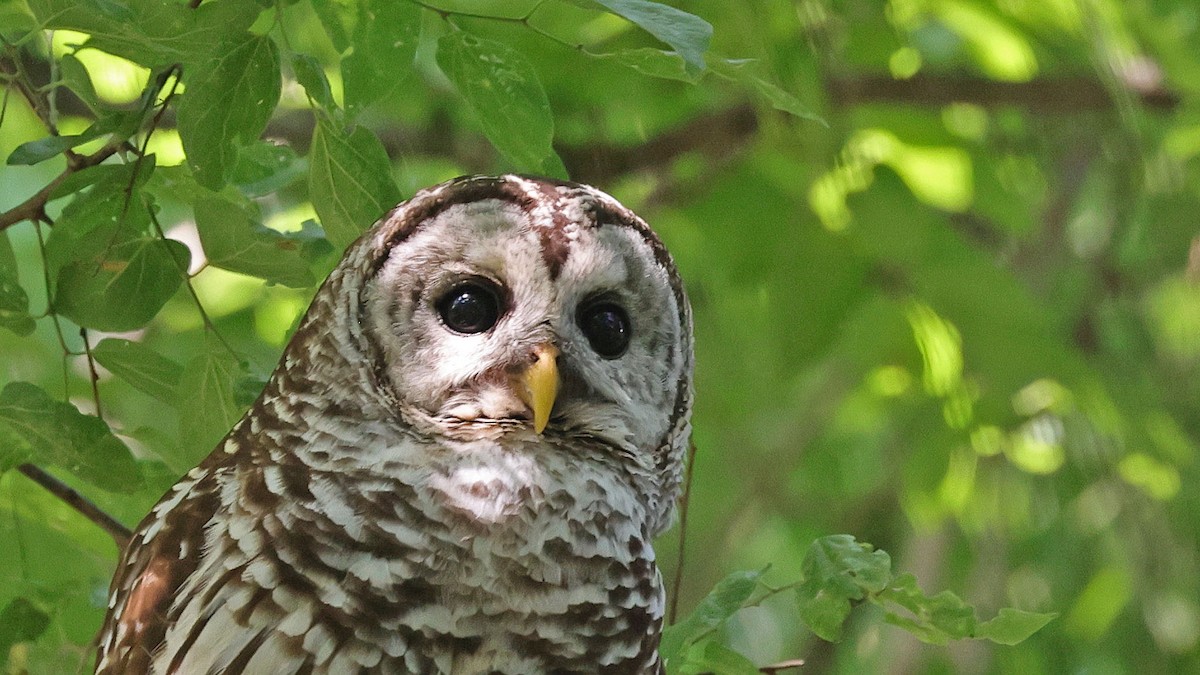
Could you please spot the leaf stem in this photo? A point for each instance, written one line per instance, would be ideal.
(92, 374)
(58, 331)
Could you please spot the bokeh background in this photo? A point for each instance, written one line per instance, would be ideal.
(955, 312)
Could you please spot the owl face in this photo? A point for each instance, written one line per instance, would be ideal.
(532, 311)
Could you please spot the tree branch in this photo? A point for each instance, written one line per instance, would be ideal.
(83, 505)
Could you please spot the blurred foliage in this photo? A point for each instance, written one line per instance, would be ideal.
(944, 258)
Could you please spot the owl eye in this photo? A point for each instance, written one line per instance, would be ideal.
(606, 327)
(469, 307)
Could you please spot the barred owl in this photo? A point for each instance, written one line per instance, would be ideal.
(458, 465)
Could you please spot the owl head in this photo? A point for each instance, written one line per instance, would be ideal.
(524, 312)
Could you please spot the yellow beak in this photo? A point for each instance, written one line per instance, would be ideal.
(537, 385)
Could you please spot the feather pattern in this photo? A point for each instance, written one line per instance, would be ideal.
(381, 508)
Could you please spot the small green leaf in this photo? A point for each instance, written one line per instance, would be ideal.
(504, 91)
(206, 389)
(121, 287)
(726, 598)
(20, 621)
(227, 105)
(710, 656)
(349, 181)
(145, 369)
(14, 303)
(741, 72)
(52, 432)
(655, 63)
(44, 148)
(935, 620)
(687, 33)
(837, 570)
(1013, 626)
(311, 76)
(385, 43)
(235, 242)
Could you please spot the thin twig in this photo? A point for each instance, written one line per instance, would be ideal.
(58, 331)
(92, 374)
(83, 505)
(677, 582)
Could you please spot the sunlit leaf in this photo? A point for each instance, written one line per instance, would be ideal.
(147, 370)
(227, 104)
(504, 91)
(1013, 626)
(75, 76)
(233, 241)
(56, 433)
(349, 181)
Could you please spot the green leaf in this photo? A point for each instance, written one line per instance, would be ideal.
(206, 389)
(1013, 626)
(14, 303)
(385, 43)
(235, 242)
(723, 601)
(75, 76)
(227, 105)
(504, 92)
(710, 656)
(655, 63)
(311, 76)
(349, 181)
(935, 620)
(687, 33)
(122, 286)
(44, 148)
(264, 168)
(20, 621)
(145, 369)
(837, 570)
(741, 72)
(334, 15)
(52, 432)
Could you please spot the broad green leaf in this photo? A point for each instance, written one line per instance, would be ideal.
(837, 570)
(206, 390)
(16, 23)
(710, 656)
(687, 33)
(723, 601)
(741, 71)
(504, 91)
(52, 432)
(1013, 626)
(121, 286)
(14, 303)
(75, 76)
(264, 168)
(349, 181)
(21, 621)
(227, 105)
(311, 76)
(385, 42)
(235, 242)
(148, 371)
(149, 32)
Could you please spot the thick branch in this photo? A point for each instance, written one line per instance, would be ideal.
(1045, 94)
(83, 505)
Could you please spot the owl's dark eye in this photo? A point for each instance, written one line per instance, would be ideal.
(606, 327)
(469, 307)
